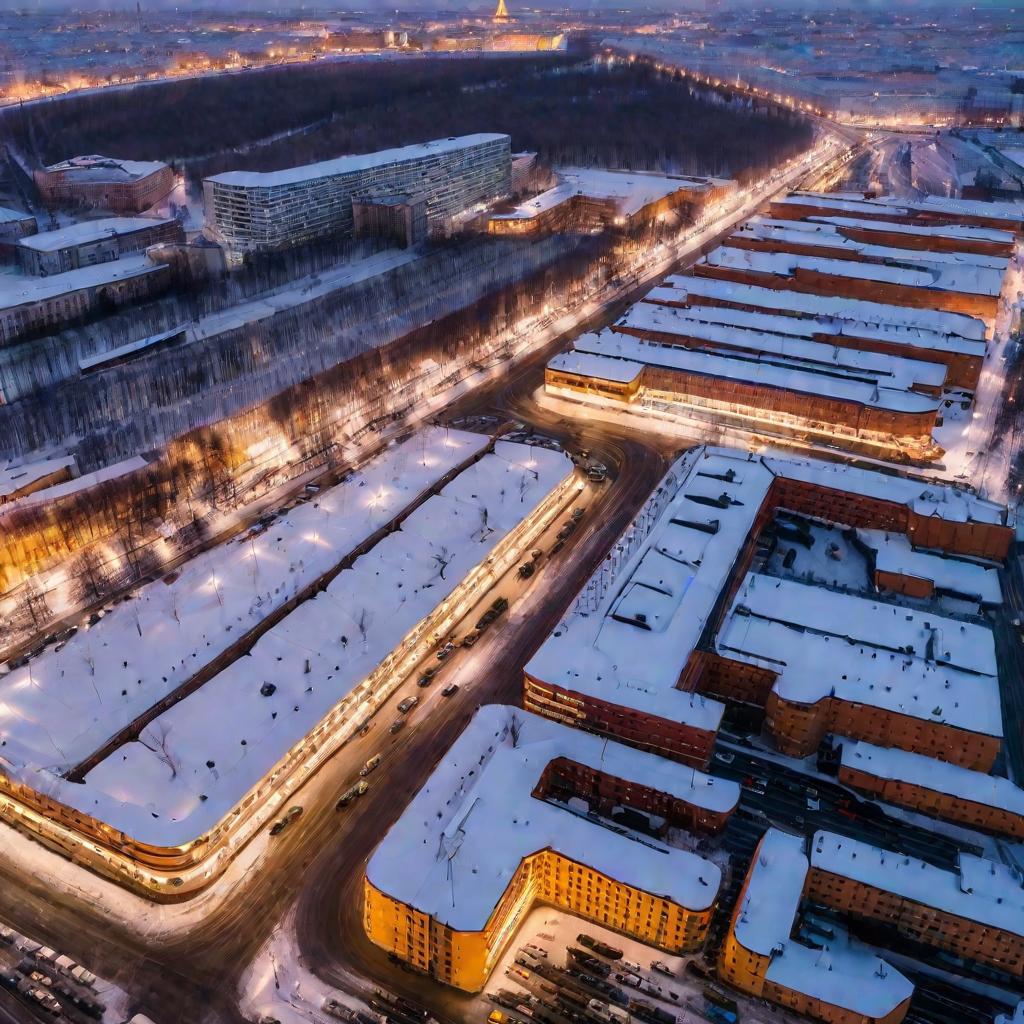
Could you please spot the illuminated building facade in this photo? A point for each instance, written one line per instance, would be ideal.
(107, 183)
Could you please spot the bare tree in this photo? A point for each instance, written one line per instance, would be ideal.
(515, 727)
(442, 558)
(156, 738)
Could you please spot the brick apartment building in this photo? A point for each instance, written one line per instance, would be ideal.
(105, 183)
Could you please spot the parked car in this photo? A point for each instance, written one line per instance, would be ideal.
(444, 651)
(350, 794)
(469, 639)
(282, 823)
(408, 704)
(370, 765)
(427, 678)
(450, 689)
(397, 725)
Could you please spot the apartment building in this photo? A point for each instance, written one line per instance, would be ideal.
(497, 828)
(91, 242)
(106, 183)
(253, 211)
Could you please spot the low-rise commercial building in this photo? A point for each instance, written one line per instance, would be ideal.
(252, 210)
(774, 951)
(501, 825)
(106, 183)
(96, 241)
(937, 788)
(14, 225)
(30, 304)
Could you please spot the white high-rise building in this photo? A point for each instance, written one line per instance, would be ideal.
(253, 210)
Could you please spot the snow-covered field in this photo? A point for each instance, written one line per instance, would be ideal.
(332, 656)
(64, 704)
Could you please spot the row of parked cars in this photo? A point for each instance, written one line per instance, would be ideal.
(48, 979)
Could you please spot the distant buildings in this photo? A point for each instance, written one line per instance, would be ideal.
(498, 827)
(90, 242)
(587, 199)
(121, 186)
(252, 211)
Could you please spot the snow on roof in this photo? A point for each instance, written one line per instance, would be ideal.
(539, 204)
(842, 972)
(846, 204)
(1008, 210)
(823, 643)
(940, 321)
(106, 168)
(967, 232)
(16, 477)
(809, 325)
(765, 369)
(459, 842)
(983, 891)
(929, 773)
(352, 163)
(622, 371)
(19, 291)
(924, 497)
(122, 351)
(631, 190)
(816, 233)
(317, 658)
(8, 216)
(894, 553)
(68, 702)
(912, 271)
(1016, 1017)
(86, 231)
(45, 495)
(887, 370)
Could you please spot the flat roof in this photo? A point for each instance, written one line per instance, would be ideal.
(894, 553)
(16, 477)
(913, 272)
(1012, 212)
(353, 163)
(984, 891)
(842, 972)
(808, 325)
(891, 371)
(106, 168)
(941, 321)
(622, 371)
(965, 232)
(825, 643)
(457, 845)
(20, 291)
(929, 773)
(765, 369)
(87, 231)
(9, 216)
(316, 658)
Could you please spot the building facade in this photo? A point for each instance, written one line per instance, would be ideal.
(252, 211)
(107, 183)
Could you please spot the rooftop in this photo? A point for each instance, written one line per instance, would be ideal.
(352, 163)
(441, 856)
(824, 643)
(89, 231)
(928, 773)
(106, 168)
(19, 291)
(954, 325)
(983, 891)
(8, 216)
(842, 972)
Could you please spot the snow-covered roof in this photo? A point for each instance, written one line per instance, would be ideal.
(106, 168)
(928, 773)
(1011, 212)
(889, 371)
(808, 325)
(318, 658)
(940, 321)
(9, 216)
(352, 163)
(831, 376)
(913, 271)
(1015, 1017)
(459, 842)
(842, 972)
(19, 291)
(87, 231)
(983, 891)
(539, 204)
(113, 470)
(966, 232)
(672, 564)
(622, 371)
(824, 643)
(894, 553)
(826, 236)
(631, 190)
(130, 348)
(169, 631)
(15, 477)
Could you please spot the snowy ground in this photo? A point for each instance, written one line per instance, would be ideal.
(64, 704)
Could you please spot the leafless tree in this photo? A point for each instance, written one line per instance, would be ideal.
(156, 737)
